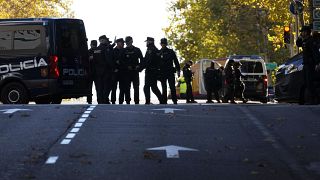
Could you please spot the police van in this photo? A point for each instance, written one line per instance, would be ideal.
(255, 76)
(43, 60)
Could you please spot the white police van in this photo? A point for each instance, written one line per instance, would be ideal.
(42, 60)
(255, 76)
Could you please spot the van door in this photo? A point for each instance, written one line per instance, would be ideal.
(72, 53)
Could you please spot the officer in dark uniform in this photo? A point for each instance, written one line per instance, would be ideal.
(308, 44)
(230, 80)
(239, 86)
(188, 76)
(118, 52)
(152, 65)
(212, 82)
(168, 58)
(93, 45)
(133, 58)
(103, 68)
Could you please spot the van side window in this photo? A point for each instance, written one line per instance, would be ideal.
(5, 40)
(69, 39)
(27, 39)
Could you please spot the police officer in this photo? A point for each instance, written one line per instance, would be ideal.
(118, 52)
(152, 65)
(93, 45)
(133, 58)
(239, 86)
(103, 68)
(188, 76)
(168, 58)
(307, 42)
(230, 80)
(212, 82)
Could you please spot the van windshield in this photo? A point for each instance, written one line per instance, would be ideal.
(251, 67)
(71, 38)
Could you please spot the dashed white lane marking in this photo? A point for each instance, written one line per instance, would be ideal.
(77, 125)
(66, 141)
(85, 115)
(82, 120)
(52, 159)
(70, 135)
(75, 130)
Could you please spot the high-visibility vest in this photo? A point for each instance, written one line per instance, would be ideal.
(183, 85)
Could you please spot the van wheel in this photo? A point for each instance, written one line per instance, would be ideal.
(14, 93)
(264, 100)
(302, 96)
(56, 100)
(45, 100)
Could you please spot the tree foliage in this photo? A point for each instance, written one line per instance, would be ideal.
(218, 28)
(35, 8)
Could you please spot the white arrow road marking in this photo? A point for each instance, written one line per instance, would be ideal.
(168, 110)
(10, 111)
(172, 151)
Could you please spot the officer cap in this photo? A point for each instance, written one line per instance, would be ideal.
(237, 63)
(94, 42)
(190, 62)
(164, 41)
(120, 40)
(128, 39)
(305, 29)
(103, 37)
(231, 62)
(150, 39)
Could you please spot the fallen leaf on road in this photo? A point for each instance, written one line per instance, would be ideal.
(29, 176)
(25, 115)
(254, 173)
(245, 160)
(230, 147)
(263, 165)
(149, 155)
(85, 162)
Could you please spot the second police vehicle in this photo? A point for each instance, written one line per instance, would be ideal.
(42, 60)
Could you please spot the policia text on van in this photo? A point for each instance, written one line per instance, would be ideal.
(42, 60)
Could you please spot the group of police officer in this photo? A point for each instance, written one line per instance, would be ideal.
(233, 78)
(113, 64)
(310, 43)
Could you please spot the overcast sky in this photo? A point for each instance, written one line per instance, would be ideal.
(136, 18)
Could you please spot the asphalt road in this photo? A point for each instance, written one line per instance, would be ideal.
(218, 141)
